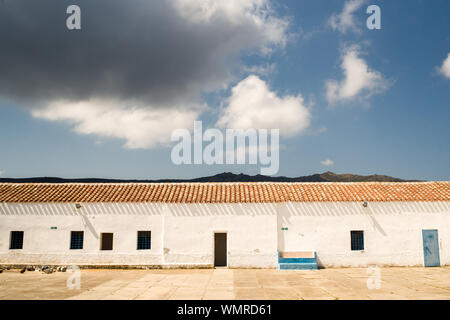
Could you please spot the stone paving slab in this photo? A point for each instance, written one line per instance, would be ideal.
(228, 284)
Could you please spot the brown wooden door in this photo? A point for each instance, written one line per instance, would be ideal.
(220, 249)
(106, 241)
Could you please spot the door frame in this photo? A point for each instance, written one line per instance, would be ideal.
(214, 247)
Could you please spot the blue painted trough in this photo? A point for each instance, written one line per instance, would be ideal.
(297, 261)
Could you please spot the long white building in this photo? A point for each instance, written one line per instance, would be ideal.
(237, 225)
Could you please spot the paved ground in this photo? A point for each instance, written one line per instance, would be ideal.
(396, 283)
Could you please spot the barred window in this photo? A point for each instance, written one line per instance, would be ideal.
(16, 241)
(144, 240)
(357, 239)
(76, 240)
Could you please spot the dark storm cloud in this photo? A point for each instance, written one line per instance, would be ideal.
(127, 50)
(137, 68)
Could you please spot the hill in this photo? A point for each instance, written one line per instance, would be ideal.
(222, 177)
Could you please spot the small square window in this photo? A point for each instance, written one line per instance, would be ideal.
(144, 240)
(357, 239)
(16, 240)
(76, 240)
(106, 242)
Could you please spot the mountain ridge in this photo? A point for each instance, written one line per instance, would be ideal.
(221, 177)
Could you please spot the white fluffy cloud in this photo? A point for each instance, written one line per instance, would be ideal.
(255, 15)
(201, 11)
(140, 127)
(327, 163)
(253, 105)
(345, 21)
(359, 80)
(445, 68)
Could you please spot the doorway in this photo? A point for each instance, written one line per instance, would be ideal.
(431, 248)
(220, 249)
(106, 241)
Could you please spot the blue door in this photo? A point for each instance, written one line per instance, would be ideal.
(431, 248)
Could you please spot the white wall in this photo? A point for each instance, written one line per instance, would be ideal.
(42, 245)
(251, 234)
(392, 231)
(183, 234)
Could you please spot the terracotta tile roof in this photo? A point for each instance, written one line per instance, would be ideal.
(224, 192)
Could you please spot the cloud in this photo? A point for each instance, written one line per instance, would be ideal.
(256, 15)
(345, 21)
(1, 173)
(252, 105)
(262, 70)
(319, 131)
(327, 163)
(359, 80)
(141, 127)
(445, 68)
(149, 60)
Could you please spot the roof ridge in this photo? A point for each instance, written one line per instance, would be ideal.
(221, 183)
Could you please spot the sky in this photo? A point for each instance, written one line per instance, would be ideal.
(104, 100)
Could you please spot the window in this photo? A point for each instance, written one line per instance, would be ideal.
(357, 238)
(144, 240)
(16, 240)
(76, 240)
(106, 241)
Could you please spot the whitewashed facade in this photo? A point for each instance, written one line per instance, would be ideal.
(182, 235)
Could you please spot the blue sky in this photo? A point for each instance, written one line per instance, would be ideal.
(397, 124)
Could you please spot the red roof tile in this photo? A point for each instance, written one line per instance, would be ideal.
(224, 192)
